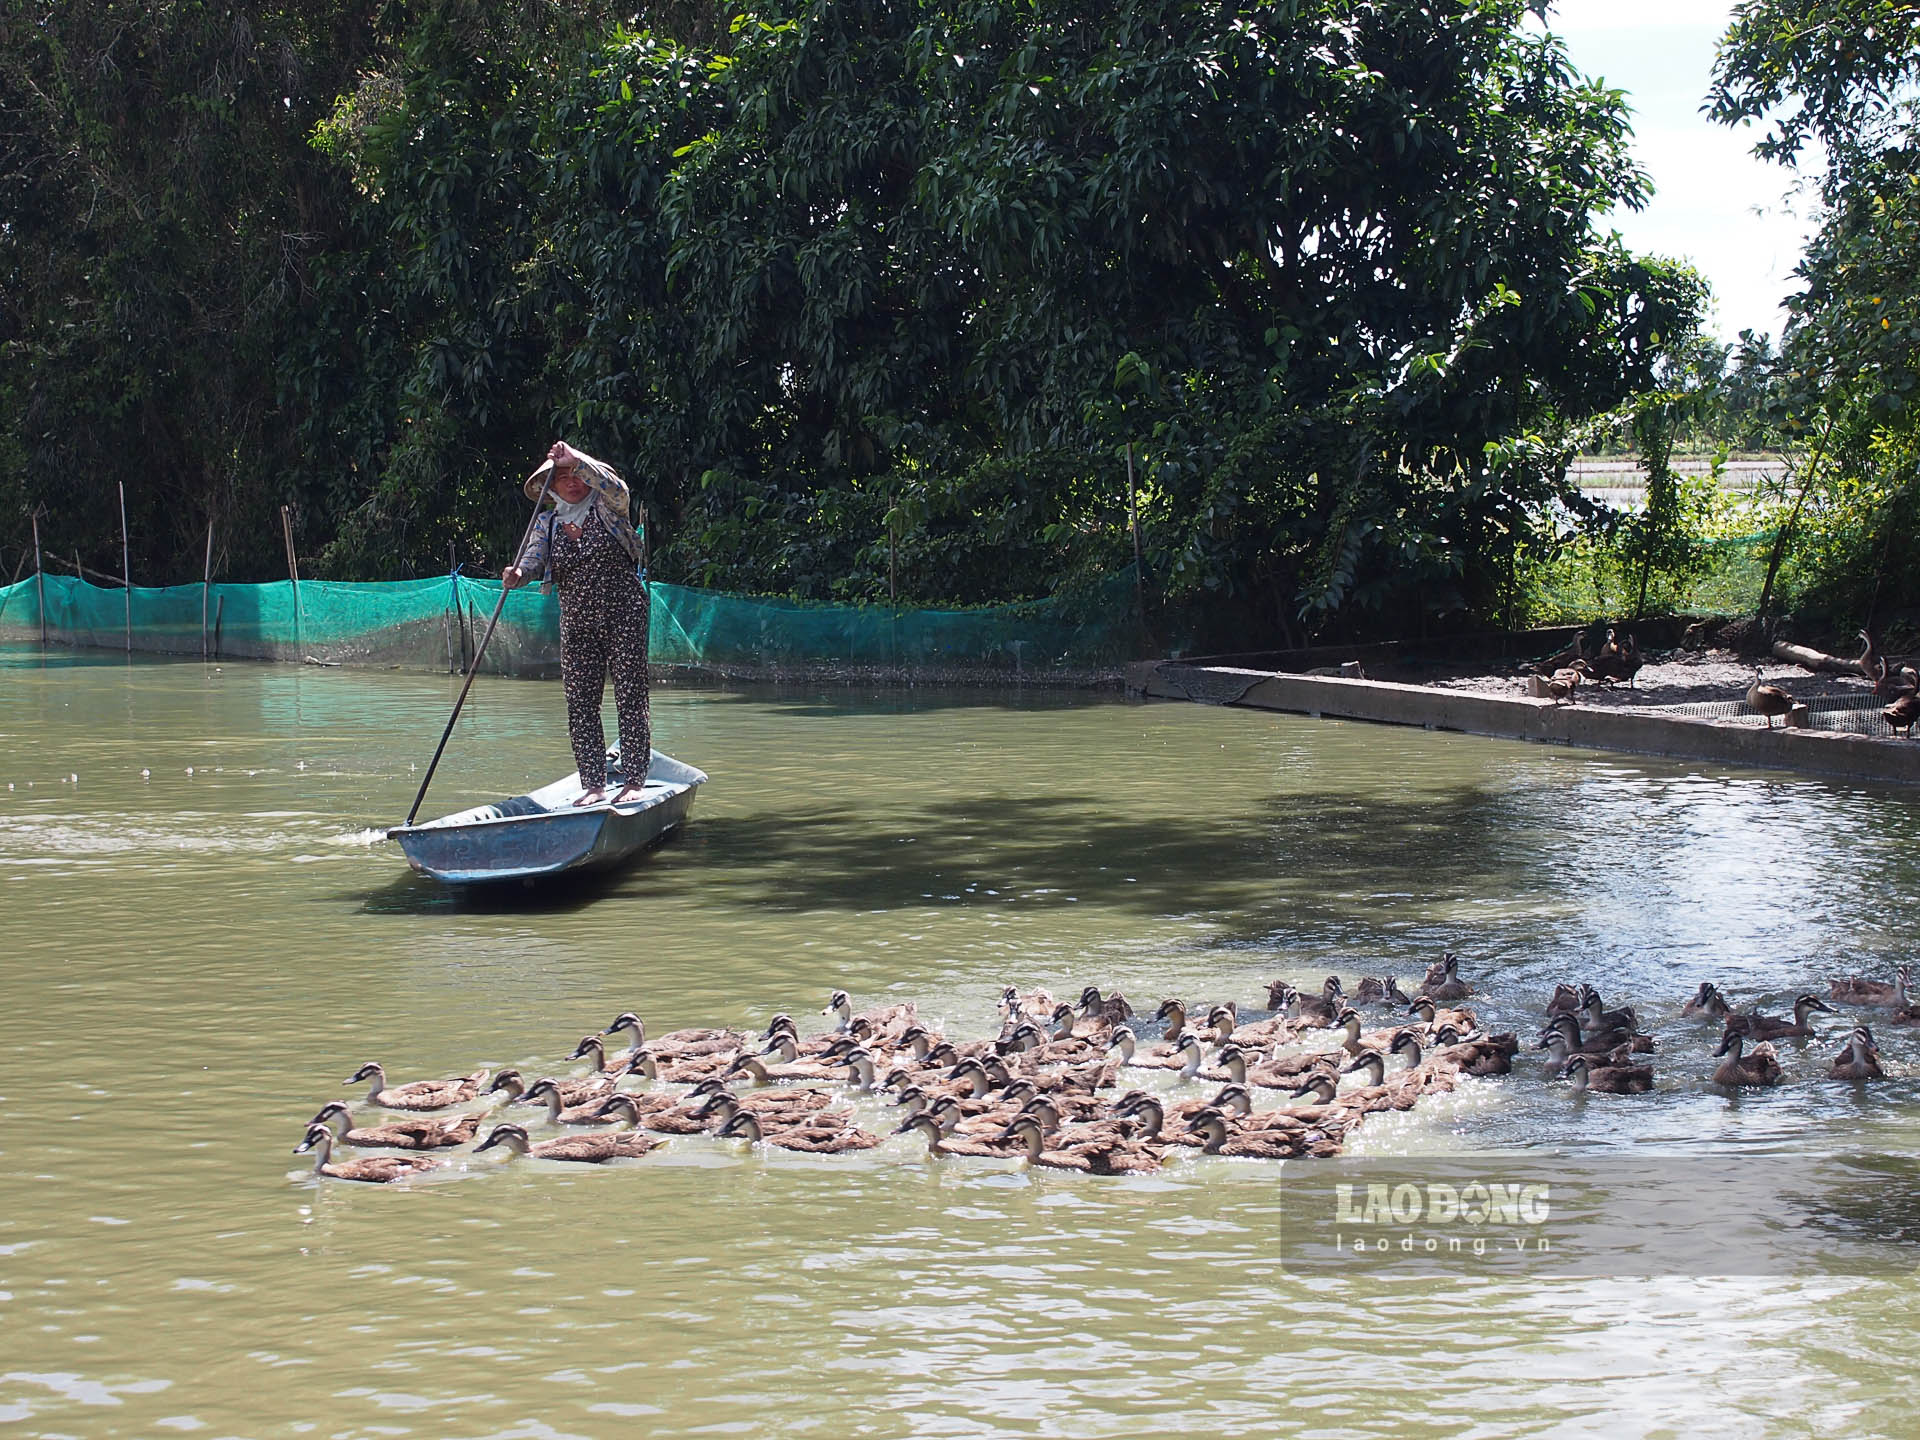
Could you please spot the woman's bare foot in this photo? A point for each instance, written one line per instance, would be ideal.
(593, 797)
(630, 792)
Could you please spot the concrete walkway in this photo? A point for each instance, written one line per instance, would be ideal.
(1815, 752)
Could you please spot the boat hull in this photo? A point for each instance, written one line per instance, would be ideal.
(544, 834)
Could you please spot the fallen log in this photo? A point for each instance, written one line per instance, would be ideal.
(1820, 662)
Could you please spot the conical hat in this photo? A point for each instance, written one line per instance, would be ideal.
(537, 480)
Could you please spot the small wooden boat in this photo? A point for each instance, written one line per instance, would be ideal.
(544, 833)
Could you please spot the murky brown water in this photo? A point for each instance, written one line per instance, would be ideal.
(194, 961)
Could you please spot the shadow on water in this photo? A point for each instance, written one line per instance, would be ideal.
(411, 894)
(1058, 850)
(1294, 858)
(843, 702)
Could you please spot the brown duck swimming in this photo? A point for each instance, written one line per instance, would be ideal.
(370, 1169)
(814, 1140)
(1860, 1060)
(420, 1094)
(1855, 991)
(1760, 1067)
(1608, 1079)
(575, 1149)
(397, 1134)
(1755, 1026)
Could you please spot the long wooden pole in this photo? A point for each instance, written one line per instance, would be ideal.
(126, 565)
(206, 591)
(40, 579)
(474, 669)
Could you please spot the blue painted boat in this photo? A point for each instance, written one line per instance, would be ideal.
(544, 833)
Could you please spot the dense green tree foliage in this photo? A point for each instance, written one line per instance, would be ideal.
(869, 297)
(1834, 84)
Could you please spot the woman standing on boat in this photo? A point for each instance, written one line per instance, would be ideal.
(586, 546)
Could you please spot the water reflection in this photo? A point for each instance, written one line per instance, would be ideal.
(196, 962)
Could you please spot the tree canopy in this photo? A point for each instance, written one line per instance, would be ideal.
(866, 296)
(1832, 84)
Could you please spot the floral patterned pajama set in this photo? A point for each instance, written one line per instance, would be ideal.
(603, 621)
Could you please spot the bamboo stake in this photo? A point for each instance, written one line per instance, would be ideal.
(452, 615)
(293, 574)
(206, 592)
(1133, 524)
(40, 579)
(126, 565)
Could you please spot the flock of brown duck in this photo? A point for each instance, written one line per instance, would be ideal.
(1619, 659)
(1048, 1089)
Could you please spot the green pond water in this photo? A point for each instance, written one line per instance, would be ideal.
(201, 937)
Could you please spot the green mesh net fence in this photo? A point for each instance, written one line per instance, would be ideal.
(1587, 582)
(438, 624)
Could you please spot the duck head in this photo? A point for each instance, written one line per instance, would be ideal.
(514, 1137)
(591, 1050)
(625, 1106)
(923, 1124)
(1211, 1126)
(1370, 1062)
(718, 1107)
(1233, 1097)
(320, 1139)
(1807, 1003)
(1320, 1086)
(549, 1093)
(1025, 1129)
(328, 1113)
(627, 1020)
(1348, 1022)
(1043, 1110)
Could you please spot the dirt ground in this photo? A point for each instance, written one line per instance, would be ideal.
(1670, 677)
